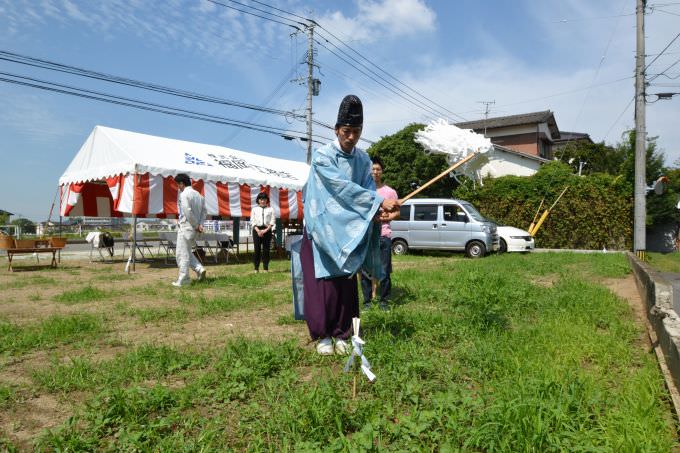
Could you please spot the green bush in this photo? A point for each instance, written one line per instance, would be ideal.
(595, 212)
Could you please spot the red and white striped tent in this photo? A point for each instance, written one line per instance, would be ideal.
(121, 173)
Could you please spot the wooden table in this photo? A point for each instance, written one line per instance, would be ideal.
(30, 250)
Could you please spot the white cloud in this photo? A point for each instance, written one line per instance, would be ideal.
(381, 19)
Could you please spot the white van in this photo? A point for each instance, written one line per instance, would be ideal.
(443, 224)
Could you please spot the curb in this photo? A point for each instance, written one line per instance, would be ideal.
(663, 323)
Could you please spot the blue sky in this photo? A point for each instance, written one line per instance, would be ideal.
(574, 57)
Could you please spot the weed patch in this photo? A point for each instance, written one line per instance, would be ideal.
(49, 333)
(83, 295)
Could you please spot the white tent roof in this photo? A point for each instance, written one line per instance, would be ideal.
(108, 152)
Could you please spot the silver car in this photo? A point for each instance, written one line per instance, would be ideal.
(443, 224)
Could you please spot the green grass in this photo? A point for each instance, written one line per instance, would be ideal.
(664, 262)
(37, 280)
(150, 315)
(474, 356)
(53, 331)
(83, 295)
(7, 396)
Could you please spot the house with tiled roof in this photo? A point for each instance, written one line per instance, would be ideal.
(533, 134)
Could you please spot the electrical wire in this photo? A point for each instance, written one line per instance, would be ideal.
(661, 53)
(420, 104)
(73, 70)
(618, 118)
(148, 106)
(253, 14)
(599, 67)
(432, 112)
(387, 73)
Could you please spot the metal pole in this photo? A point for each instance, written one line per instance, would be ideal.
(640, 243)
(134, 242)
(310, 88)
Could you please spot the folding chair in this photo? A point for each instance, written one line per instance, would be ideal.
(141, 245)
(228, 246)
(206, 238)
(168, 242)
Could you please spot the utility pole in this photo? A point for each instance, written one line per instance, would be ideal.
(487, 110)
(310, 89)
(312, 83)
(640, 210)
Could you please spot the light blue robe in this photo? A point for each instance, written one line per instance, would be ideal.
(340, 202)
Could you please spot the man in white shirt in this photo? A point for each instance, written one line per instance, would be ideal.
(192, 214)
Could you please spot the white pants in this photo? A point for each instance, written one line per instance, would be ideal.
(185, 259)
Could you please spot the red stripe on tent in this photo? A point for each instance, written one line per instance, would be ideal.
(170, 192)
(223, 208)
(114, 184)
(140, 204)
(197, 185)
(245, 200)
(89, 201)
(283, 205)
(301, 211)
(90, 193)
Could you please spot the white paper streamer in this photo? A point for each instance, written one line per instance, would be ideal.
(440, 137)
(357, 351)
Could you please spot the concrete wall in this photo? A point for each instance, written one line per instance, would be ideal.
(656, 292)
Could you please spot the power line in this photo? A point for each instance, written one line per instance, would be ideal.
(599, 66)
(376, 80)
(355, 51)
(387, 73)
(143, 105)
(661, 53)
(618, 118)
(253, 14)
(418, 103)
(664, 71)
(73, 70)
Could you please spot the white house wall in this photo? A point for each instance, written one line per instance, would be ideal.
(504, 164)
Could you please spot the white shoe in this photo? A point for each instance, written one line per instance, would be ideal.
(177, 284)
(201, 275)
(342, 347)
(325, 346)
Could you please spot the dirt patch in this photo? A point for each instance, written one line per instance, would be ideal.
(252, 324)
(546, 281)
(627, 290)
(26, 420)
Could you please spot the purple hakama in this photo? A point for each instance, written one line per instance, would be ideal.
(330, 303)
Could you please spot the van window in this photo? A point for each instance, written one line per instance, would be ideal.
(405, 212)
(425, 212)
(454, 213)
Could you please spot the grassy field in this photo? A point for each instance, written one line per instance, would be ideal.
(520, 353)
(664, 262)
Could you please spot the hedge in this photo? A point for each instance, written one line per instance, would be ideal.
(595, 212)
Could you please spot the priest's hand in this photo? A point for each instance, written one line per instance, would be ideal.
(390, 205)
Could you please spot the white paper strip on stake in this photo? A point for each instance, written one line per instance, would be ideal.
(357, 351)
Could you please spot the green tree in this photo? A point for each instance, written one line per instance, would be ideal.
(407, 164)
(26, 225)
(654, 166)
(598, 157)
(4, 218)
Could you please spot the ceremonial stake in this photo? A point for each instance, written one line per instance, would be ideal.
(438, 177)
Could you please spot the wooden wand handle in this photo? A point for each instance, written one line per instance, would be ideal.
(438, 177)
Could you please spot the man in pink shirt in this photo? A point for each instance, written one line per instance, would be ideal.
(385, 285)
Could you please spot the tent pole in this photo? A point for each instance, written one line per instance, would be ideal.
(134, 241)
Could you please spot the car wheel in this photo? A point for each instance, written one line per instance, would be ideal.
(503, 246)
(399, 247)
(475, 249)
